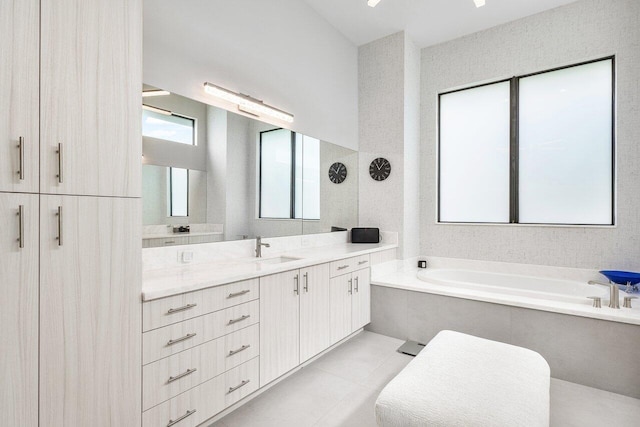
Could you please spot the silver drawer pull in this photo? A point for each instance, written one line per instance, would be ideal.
(177, 420)
(357, 284)
(242, 384)
(183, 308)
(60, 163)
(21, 148)
(21, 226)
(243, 348)
(239, 319)
(362, 262)
(59, 214)
(182, 375)
(186, 337)
(350, 286)
(169, 242)
(237, 294)
(342, 267)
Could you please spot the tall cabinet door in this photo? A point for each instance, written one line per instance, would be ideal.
(19, 86)
(340, 291)
(19, 309)
(90, 311)
(361, 308)
(279, 324)
(314, 311)
(90, 97)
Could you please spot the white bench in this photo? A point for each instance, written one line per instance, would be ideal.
(462, 380)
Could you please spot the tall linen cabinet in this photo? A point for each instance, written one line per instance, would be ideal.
(70, 267)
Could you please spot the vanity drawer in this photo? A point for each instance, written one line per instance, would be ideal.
(204, 401)
(181, 336)
(362, 261)
(347, 265)
(166, 311)
(168, 377)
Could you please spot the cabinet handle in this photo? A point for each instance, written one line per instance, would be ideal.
(59, 215)
(182, 375)
(237, 294)
(306, 282)
(177, 420)
(239, 319)
(356, 284)
(21, 226)
(296, 281)
(60, 163)
(183, 308)
(242, 384)
(350, 286)
(186, 337)
(342, 267)
(21, 164)
(243, 348)
(362, 262)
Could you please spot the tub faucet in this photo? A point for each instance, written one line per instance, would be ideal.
(614, 293)
(259, 246)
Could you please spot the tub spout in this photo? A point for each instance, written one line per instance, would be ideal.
(614, 293)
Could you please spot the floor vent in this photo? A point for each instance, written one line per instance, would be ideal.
(412, 348)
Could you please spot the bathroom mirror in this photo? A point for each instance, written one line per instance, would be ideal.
(212, 175)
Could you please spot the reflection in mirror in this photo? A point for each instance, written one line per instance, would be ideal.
(212, 175)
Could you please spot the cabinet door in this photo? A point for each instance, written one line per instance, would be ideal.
(19, 309)
(314, 311)
(19, 86)
(361, 308)
(340, 291)
(91, 97)
(90, 311)
(279, 324)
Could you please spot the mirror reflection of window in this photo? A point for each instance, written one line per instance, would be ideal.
(169, 127)
(311, 178)
(179, 192)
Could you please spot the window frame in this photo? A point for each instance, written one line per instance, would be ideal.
(292, 195)
(194, 142)
(514, 147)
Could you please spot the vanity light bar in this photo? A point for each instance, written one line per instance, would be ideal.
(155, 92)
(247, 103)
(479, 3)
(157, 110)
(373, 3)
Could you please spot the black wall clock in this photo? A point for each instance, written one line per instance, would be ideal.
(337, 172)
(380, 169)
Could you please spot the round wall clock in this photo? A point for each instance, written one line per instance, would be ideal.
(380, 169)
(337, 172)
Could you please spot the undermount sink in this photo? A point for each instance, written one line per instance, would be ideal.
(277, 260)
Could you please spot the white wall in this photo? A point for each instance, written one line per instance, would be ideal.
(280, 51)
(584, 30)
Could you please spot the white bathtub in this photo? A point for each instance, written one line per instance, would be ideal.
(512, 284)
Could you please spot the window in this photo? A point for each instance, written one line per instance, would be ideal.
(170, 127)
(289, 175)
(178, 192)
(535, 149)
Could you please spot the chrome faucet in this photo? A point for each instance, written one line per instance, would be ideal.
(614, 293)
(259, 246)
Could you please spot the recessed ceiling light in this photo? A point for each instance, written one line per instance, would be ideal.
(373, 3)
(479, 3)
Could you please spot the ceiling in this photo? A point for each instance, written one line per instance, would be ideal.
(427, 22)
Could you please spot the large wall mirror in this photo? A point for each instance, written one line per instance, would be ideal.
(212, 175)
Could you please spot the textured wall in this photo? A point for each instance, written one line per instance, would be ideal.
(388, 83)
(577, 32)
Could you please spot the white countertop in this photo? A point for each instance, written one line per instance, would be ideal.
(406, 278)
(168, 235)
(192, 277)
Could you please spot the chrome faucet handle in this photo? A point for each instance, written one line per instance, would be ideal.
(597, 302)
(627, 302)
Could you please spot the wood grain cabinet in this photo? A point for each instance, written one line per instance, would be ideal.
(90, 311)
(19, 86)
(19, 309)
(90, 95)
(314, 311)
(350, 296)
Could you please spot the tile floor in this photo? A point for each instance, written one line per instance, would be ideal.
(340, 389)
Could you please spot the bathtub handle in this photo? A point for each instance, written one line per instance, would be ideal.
(597, 302)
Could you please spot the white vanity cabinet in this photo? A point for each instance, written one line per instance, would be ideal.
(314, 311)
(19, 86)
(19, 309)
(90, 89)
(350, 299)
